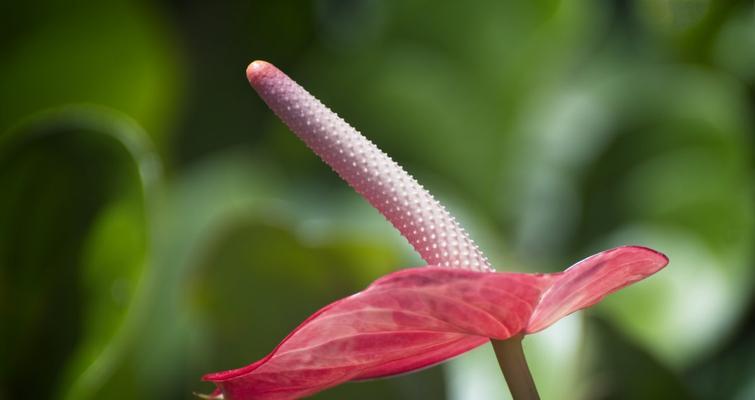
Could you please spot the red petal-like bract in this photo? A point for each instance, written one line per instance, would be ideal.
(418, 317)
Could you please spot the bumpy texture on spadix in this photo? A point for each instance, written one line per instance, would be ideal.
(421, 316)
(425, 223)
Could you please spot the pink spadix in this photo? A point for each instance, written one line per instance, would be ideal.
(424, 222)
(421, 316)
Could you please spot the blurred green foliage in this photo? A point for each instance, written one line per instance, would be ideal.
(158, 223)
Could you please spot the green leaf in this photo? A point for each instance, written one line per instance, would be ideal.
(73, 246)
(118, 54)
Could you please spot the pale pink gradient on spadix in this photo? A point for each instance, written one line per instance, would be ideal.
(424, 222)
(418, 317)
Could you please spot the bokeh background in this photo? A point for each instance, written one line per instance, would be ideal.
(158, 223)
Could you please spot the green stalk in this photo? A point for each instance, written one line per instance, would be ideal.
(514, 367)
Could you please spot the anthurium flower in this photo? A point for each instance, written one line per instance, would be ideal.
(416, 317)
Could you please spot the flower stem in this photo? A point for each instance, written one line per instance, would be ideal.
(514, 367)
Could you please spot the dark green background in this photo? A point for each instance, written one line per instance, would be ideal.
(158, 223)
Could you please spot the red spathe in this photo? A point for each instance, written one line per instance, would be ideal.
(418, 317)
